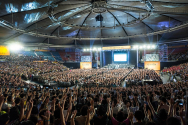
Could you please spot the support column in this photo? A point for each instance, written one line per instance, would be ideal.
(144, 54)
(137, 58)
(91, 54)
(104, 61)
(128, 57)
(101, 58)
(97, 59)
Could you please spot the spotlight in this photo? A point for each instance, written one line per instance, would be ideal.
(144, 46)
(148, 47)
(140, 47)
(84, 49)
(15, 47)
(99, 49)
(90, 49)
(87, 49)
(94, 49)
(135, 46)
(153, 46)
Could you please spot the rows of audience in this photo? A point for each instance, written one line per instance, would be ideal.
(137, 75)
(22, 103)
(180, 70)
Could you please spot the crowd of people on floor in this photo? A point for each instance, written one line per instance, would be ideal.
(162, 104)
(137, 75)
(179, 70)
(22, 103)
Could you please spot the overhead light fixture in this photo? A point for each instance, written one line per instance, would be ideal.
(87, 49)
(148, 47)
(135, 46)
(99, 49)
(84, 49)
(94, 49)
(153, 46)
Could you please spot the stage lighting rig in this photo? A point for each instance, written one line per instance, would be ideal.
(145, 47)
(92, 49)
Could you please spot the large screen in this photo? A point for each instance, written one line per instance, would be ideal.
(120, 57)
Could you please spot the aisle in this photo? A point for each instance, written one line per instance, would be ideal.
(165, 78)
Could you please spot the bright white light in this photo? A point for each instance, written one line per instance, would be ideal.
(153, 46)
(90, 49)
(87, 49)
(94, 49)
(140, 47)
(135, 47)
(144, 46)
(148, 47)
(120, 57)
(84, 49)
(99, 49)
(15, 47)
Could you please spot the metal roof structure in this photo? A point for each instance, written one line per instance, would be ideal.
(70, 22)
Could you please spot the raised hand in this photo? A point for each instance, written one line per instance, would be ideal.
(46, 115)
(74, 114)
(144, 106)
(22, 103)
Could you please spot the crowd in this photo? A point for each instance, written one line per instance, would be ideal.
(137, 75)
(179, 70)
(162, 104)
(48, 71)
(22, 103)
(55, 72)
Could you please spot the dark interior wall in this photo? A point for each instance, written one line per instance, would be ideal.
(133, 57)
(107, 58)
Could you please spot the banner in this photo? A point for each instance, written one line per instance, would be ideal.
(4, 51)
(85, 65)
(155, 65)
(116, 47)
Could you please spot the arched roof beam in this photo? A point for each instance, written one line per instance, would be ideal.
(83, 23)
(170, 17)
(18, 34)
(117, 21)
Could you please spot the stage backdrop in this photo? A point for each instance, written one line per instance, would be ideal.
(155, 65)
(85, 65)
(4, 50)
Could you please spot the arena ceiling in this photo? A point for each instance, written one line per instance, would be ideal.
(66, 22)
